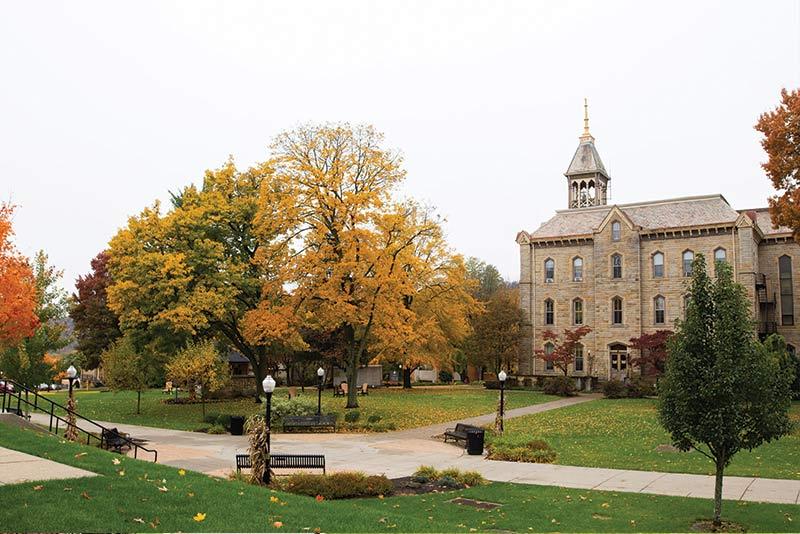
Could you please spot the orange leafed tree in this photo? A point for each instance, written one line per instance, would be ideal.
(563, 353)
(18, 318)
(781, 129)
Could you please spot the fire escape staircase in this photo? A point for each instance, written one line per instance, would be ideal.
(766, 307)
(20, 400)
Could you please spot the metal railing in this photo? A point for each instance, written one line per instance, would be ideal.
(9, 398)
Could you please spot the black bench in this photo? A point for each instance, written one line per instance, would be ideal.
(285, 461)
(459, 433)
(309, 422)
(115, 440)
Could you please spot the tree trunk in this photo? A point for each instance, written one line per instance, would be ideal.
(138, 402)
(718, 493)
(259, 372)
(406, 377)
(352, 378)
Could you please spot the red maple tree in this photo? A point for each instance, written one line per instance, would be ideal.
(563, 352)
(652, 359)
(18, 318)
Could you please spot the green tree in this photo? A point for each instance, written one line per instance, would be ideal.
(127, 368)
(25, 362)
(723, 391)
(487, 276)
(495, 341)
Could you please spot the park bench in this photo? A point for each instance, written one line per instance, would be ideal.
(115, 440)
(459, 433)
(341, 391)
(285, 461)
(309, 422)
(364, 389)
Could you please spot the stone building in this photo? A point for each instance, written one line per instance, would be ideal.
(622, 269)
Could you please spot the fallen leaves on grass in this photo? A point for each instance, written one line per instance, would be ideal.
(163, 489)
(320, 498)
(139, 520)
(38, 488)
(182, 472)
(115, 461)
(199, 517)
(277, 524)
(273, 498)
(86, 495)
(121, 472)
(81, 454)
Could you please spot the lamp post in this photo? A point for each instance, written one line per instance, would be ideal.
(321, 375)
(71, 433)
(269, 387)
(502, 377)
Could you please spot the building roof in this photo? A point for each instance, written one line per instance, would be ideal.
(656, 215)
(763, 219)
(586, 159)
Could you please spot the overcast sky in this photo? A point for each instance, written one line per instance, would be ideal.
(106, 106)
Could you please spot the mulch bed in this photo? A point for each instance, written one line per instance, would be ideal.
(406, 486)
(708, 526)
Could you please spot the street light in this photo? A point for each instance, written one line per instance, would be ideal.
(502, 376)
(71, 433)
(269, 386)
(321, 375)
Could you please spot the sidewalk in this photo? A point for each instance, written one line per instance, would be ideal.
(17, 467)
(400, 453)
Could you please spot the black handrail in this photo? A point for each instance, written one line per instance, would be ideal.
(6, 406)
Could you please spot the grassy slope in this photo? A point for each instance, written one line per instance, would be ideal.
(624, 433)
(407, 409)
(116, 502)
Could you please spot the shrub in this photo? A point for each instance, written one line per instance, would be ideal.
(563, 386)
(471, 478)
(381, 427)
(614, 389)
(344, 485)
(534, 451)
(373, 418)
(445, 376)
(352, 416)
(202, 428)
(427, 471)
(217, 429)
(639, 388)
(449, 482)
(221, 419)
(296, 406)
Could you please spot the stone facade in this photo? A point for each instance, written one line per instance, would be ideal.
(639, 237)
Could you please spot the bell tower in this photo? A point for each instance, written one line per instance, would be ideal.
(587, 179)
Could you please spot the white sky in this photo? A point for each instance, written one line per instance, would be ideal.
(106, 106)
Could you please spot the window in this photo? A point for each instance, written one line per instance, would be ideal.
(616, 231)
(616, 310)
(549, 270)
(549, 312)
(616, 266)
(577, 269)
(660, 309)
(658, 265)
(578, 357)
(619, 359)
(787, 291)
(688, 258)
(686, 300)
(720, 254)
(548, 350)
(577, 311)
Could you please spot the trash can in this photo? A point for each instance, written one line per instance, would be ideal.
(237, 425)
(475, 441)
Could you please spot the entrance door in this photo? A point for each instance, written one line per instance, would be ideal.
(618, 364)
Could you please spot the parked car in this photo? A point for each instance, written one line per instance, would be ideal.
(5, 387)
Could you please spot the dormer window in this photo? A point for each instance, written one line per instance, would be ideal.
(616, 231)
(549, 270)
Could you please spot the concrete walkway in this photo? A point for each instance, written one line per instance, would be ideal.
(400, 453)
(17, 467)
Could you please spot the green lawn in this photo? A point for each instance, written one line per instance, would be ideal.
(130, 496)
(625, 433)
(405, 408)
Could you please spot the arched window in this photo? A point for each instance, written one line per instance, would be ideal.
(686, 299)
(658, 265)
(577, 269)
(549, 270)
(616, 310)
(577, 311)
(616, 231)
(549, 312)
(720, 254)
(787, 291)
(616, 266)
(548, 350)
(578, 358)
(688, 258)
(660, 310)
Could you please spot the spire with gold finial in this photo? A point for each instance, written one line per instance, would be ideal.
(586, 135)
